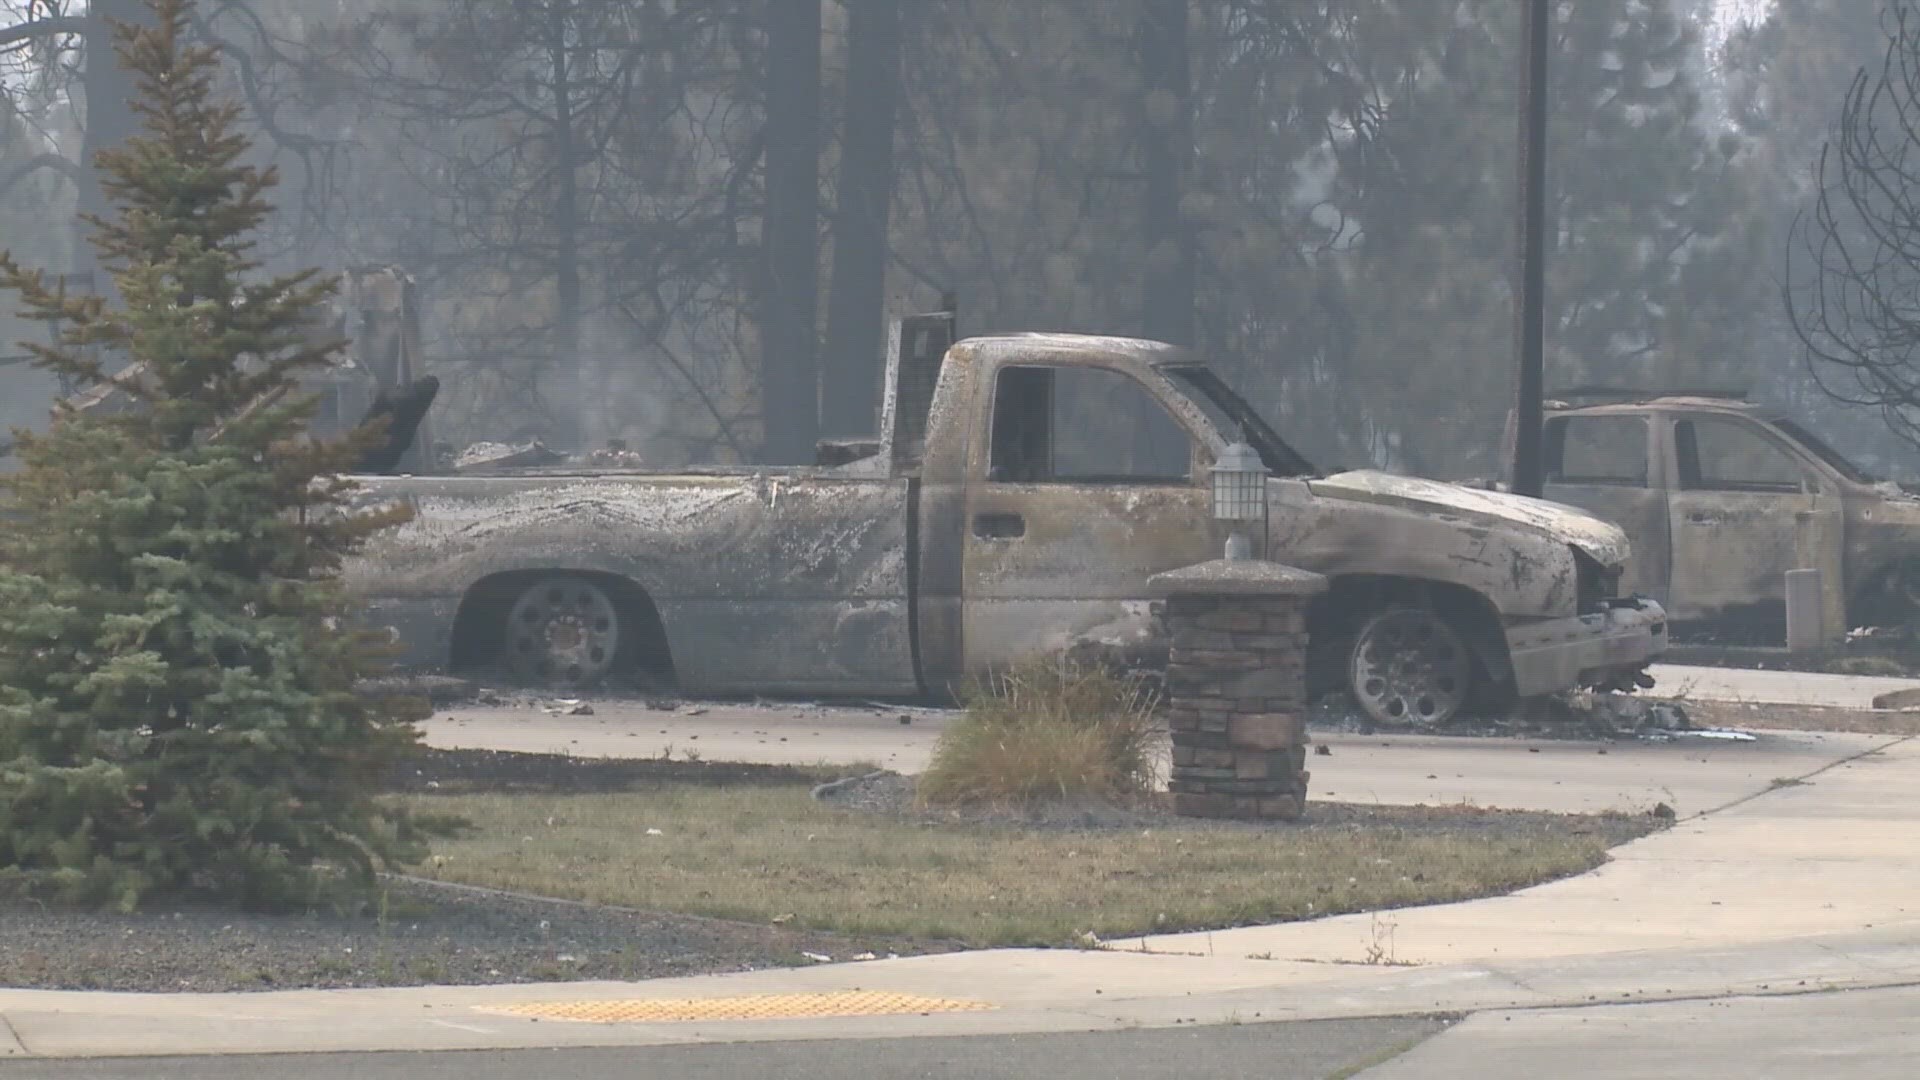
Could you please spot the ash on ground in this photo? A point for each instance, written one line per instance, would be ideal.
(1581, 717)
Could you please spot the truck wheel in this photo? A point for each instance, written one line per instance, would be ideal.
(563, 631)
(1409, 667)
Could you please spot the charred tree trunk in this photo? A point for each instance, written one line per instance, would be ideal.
(1166, 107)
(789, 381)
(567, 380)
(110, 120)
(856, 296)
(1167, 304)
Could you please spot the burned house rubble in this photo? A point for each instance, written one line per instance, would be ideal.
(993, 517)
(377, 376)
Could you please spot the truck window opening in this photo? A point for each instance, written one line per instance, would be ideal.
(1083, 425)
(1230, 413)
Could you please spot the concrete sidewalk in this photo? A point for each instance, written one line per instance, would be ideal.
(1026, 991)
(1807, 886)
(1835, 852)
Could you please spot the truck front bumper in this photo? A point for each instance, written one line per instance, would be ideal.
(1606, 647)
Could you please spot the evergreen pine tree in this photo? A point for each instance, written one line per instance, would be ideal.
(177, 669)
(1659, 232)
(1651, 234)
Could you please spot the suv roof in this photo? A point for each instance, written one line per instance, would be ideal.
(1706, 402)
(1728, 406)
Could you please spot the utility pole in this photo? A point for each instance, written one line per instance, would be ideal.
(789, 334)
(1531, 314)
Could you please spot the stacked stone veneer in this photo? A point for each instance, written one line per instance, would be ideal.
(1236, 687)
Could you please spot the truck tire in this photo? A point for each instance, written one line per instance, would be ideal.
(564, 631)
(1408, 666)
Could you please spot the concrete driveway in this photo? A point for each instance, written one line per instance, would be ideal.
(1774, 687)
(1860, 1035)
(1690, 775)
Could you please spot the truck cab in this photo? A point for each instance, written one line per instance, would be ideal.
(1057, 472)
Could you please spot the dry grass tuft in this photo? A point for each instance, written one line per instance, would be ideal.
(1047, 730)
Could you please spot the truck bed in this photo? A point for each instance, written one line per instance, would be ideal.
(774, 581)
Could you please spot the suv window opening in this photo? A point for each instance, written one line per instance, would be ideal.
(1695, 474)
(1822, 450)
(1590, 453)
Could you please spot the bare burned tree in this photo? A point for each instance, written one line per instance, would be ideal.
(60, 52)
(1853, 267)
(289, 84)
(575, 184)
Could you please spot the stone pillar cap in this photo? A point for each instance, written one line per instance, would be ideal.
(1237, 577)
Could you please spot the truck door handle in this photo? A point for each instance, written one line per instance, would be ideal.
(1699, 518)
(999, 526)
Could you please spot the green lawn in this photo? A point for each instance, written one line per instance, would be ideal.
(769, 853)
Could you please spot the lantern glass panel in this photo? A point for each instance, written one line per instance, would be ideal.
(1239, 485)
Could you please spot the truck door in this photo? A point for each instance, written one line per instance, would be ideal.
(1744, 510)
(1086, 486)
(1600, 463)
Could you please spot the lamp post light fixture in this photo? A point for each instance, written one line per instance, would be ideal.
(1239, 494)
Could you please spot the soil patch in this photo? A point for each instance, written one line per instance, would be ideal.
(436, 770)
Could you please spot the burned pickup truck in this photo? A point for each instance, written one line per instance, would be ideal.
(1022, 491)
(1720, 497)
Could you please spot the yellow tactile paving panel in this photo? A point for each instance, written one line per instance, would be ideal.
(755, 1007)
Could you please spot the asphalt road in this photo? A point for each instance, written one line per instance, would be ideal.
(1299, 1051)
(1856, 1035)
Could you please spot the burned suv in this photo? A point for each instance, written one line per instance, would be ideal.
(1721, 497)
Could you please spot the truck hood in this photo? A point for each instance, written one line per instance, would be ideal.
(1605, 544)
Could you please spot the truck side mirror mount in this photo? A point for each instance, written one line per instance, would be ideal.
(1288, 492)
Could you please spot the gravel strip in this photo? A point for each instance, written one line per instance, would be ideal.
(429, 935)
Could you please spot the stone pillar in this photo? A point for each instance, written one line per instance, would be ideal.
(1236, 687)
